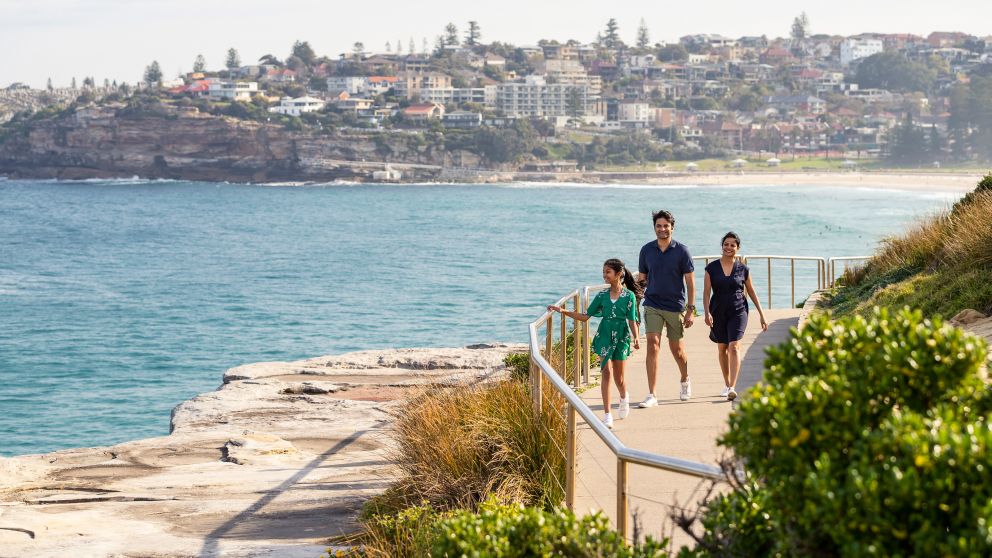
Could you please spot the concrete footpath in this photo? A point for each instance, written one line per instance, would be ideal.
(684, 429)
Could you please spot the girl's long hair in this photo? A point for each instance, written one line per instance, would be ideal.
(627, 278)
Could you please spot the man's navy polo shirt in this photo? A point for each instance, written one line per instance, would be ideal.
(666, 271)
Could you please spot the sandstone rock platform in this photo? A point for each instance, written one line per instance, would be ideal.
(275, 462)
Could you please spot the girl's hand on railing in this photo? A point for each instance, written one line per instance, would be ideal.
(554, 309)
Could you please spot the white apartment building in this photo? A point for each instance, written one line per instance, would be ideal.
(232, 90)
(855, 49)
(296, 107)
(634, 112)
(572, 72)
(485, 96)
(352, 84)
(535, 97)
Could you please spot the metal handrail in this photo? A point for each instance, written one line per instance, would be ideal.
(821, 269)
(832, 264)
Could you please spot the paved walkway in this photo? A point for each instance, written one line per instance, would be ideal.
(685, 429)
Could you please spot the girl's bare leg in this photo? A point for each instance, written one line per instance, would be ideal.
(618, 377)
(604, 384)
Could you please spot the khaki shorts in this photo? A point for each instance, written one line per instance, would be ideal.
(656, 319)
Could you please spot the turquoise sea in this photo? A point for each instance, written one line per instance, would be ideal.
(120, 299)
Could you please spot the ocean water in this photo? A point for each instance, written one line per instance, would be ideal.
(120, 299)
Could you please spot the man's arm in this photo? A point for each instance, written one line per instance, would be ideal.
(690, 291)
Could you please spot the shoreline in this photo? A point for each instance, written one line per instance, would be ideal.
(276, 461)
(886, 179)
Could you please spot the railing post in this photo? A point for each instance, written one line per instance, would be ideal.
(792, 267)
(549, 340)
(535, 386)
(577, 352)
(570, 460)
(622, 504)
(587, 357)
(769, 283)
(564, 345)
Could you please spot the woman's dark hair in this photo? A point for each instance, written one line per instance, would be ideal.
(627, 278)
(733, 235)
(662, 214)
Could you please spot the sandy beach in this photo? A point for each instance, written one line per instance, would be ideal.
(946, 182)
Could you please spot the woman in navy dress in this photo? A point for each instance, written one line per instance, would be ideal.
(726, 313)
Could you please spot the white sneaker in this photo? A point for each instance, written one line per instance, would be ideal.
(624, 409)
(608, 420)
(725, 391)
(649, 401)
(686, 392)
(732, 394)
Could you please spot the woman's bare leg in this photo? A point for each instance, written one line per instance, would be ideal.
(618, 377)
(734, 361)
(724, 363)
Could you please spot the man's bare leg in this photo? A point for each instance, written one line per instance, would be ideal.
(651, 361)
(678, 351)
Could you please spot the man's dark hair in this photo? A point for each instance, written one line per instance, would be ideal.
(662, 214)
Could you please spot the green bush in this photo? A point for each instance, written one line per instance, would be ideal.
(869, 437)
(514, 531)
(519, 365)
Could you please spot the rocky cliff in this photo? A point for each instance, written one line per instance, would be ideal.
(181, 143)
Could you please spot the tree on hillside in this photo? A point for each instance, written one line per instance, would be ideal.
(411, 48)
(233, 60)
(450, 34)
(800, 28)
(269, 59)
(907, 144)
(303, 51)
(357, 50)
(473, 35)
(672, 53)
(424, 49)
(611, 37)
(73, 83)
(643, 38)
(48, 86)
(936, 144)
(893, 71)
(200, 64)
(438, 47)
(152, 77)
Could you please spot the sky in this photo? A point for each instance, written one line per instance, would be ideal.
(117, 39)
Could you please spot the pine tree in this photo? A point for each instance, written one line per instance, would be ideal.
(233, 60)
(411, 48)
(450, 34)
(73, 86)
(473, 36)
(389, 46)
(643, 38)
(611, 39)
(49, 85)
(200, 64)
(153, 74)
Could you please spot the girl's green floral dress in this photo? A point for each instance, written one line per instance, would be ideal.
(612, 341)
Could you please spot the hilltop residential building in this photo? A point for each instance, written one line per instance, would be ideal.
(377, 85)
(232, 90)
(422, 112)
(572, 72)
(409, 84)
(462, 119)
(298, 106)
(801, 103)
(485, 96)
(352, 84)
(855, 49)
(536, 97)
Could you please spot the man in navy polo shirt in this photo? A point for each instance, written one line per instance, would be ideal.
(666, 266)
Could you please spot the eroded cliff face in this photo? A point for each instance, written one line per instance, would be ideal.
(105, 142)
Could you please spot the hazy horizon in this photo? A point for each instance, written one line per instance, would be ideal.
(116, 39)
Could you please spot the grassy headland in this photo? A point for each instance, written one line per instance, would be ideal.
(941, 265)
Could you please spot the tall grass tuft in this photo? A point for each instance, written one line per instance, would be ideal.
(936, 265)
(458, 446)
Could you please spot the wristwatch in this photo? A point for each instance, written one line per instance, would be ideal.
(690, 308)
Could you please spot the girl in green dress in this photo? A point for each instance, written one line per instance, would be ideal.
(617, 306)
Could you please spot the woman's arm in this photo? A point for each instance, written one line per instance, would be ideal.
(576, 315)
(706, 299)
(749, 286)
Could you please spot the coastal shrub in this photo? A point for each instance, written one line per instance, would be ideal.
(984, 185)
(869, 437)
(519, 366)
(501, 530)
(515, 531)
(458, 446)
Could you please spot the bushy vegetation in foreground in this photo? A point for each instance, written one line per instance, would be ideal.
(942, 265)
(869, 437)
